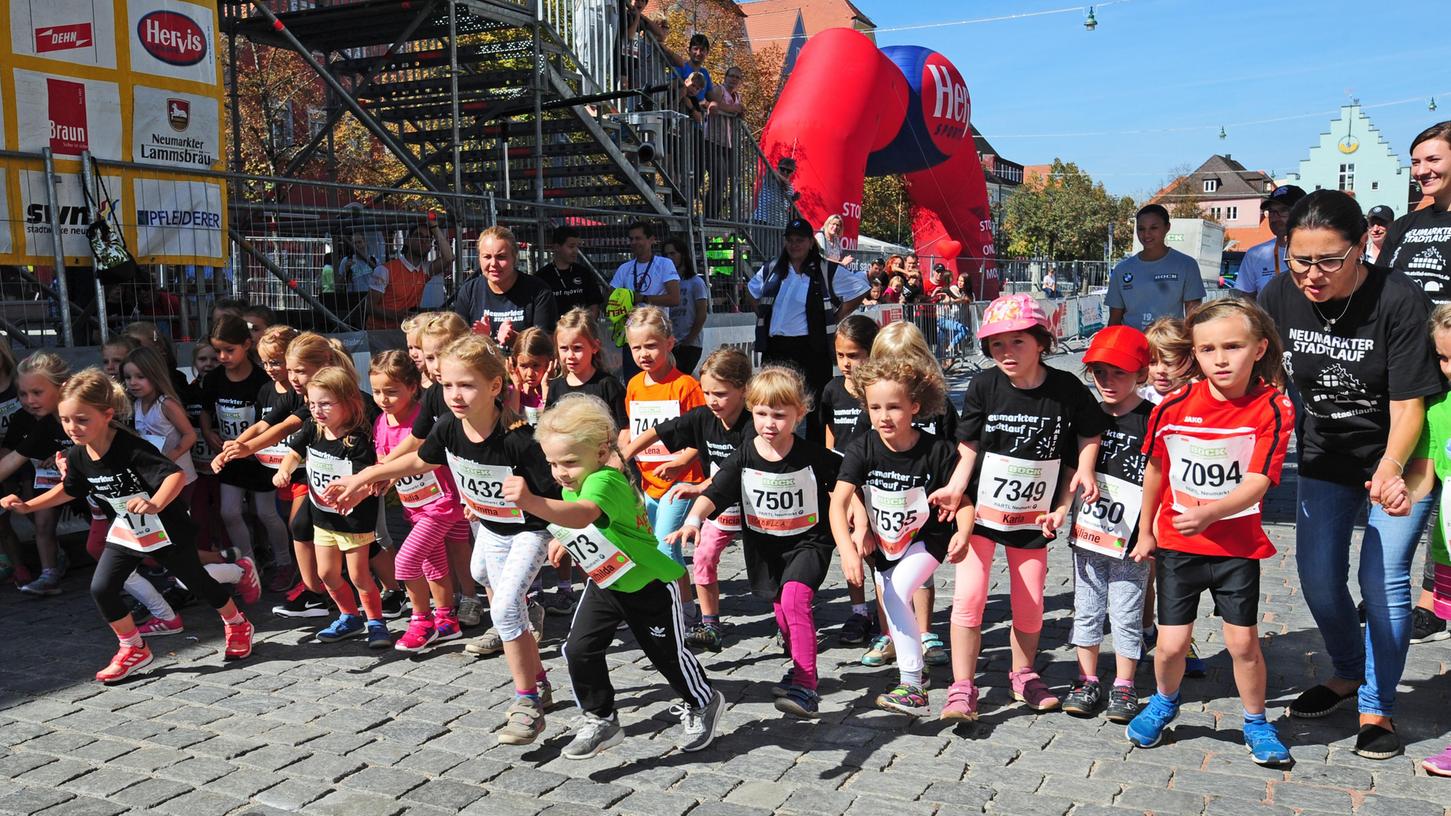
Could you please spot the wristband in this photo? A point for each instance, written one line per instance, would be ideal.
(690, 521)
(1401, 466)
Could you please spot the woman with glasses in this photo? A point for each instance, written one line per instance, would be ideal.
(1357, 347)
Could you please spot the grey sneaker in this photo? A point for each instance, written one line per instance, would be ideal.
(698, 724)
(47, 584)
(525, 722)
(592, 735)
(1123, 705)
(536, 619)
(470, 611)
(490, 642)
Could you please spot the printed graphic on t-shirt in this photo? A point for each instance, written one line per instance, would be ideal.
(1419, 255)
(1336, 393)
(1034, 435)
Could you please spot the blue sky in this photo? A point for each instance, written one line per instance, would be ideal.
(1149, 89)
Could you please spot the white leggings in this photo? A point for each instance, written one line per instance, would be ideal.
(508, 564)
(897, 584)
(265, 506)
(146, 592)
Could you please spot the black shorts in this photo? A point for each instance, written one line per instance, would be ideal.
(1233, 583)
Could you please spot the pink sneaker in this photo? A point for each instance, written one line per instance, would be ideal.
(447, 627)
(159, 627)
(250, 587)
(1029, 688)
(1438, 765)
(420, 635)
(961, 702)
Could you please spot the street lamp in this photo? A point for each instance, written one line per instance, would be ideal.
(1090, 22)
(1431, 106)
(1222, 134)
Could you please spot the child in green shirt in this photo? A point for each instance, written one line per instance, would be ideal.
(601, 522)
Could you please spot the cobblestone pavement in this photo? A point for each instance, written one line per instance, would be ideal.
(336, 729)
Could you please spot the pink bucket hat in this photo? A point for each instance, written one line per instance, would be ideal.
(1010, 313)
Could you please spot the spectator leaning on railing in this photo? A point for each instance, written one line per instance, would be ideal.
(396, 288)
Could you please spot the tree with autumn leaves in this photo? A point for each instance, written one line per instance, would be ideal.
(1065, 215)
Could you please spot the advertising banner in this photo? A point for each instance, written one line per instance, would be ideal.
(71, 209)
(174, 128)
(77, 31)
(67, 115)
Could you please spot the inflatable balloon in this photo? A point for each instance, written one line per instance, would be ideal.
(849, 111)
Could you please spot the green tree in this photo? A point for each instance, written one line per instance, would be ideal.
(1065, 215)
(886, 209)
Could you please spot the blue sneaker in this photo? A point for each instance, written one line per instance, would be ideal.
(1263, 742)
(344, 627)
(1193, 663)
(1147, 729)
(799, 702)
(378, 637)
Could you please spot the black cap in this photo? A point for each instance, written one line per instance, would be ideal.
(937, 267)
(1287, 194)
(1381, 213)
(798, 226)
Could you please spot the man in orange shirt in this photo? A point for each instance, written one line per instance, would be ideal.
(397, 286)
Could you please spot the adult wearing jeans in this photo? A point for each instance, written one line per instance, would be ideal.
(1357, 346)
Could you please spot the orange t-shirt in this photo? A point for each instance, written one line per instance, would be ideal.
(404, 291)
(648, 406)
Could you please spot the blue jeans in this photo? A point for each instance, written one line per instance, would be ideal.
(1325, 522)
(667, 514)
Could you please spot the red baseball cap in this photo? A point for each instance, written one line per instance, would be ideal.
(1124, 347)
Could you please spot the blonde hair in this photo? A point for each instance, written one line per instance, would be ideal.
(925, 385)
(447, 325)
(729, 365)
(502, 234)
(277, 337)
(653, 318)
(481, 354)
(1441, 319)
(579, 320)
(321, 352)
(93, 387)
(342, 384)
(901, 340)
(152, 366)
(1271, 366)
(1169, 341)
(778, 386)
(585, 420)
(53, 367)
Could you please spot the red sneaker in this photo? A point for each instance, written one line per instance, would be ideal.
(250, 587)
(158, 627)
(127, 662)
(239, 640)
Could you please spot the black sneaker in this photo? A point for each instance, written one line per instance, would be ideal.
(395, 603)
(1375, 742)
(1318, 702)
(1360, 611)
(1123, 705)
(178, 596)
(856, 630)
(305, 604)
(1426, 627)
(1083, 699)
(704, 636)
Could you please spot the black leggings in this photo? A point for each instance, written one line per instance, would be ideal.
(117, 563)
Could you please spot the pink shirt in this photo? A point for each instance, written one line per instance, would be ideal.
(431, 494)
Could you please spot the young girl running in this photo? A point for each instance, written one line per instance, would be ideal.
(1106, 583)
(337, 442)
(35, 436)
(839, 411)
(1020, 422)
(531, 364)
(781, 482)
(716, 431)
(660, 392)
(430, 503)
(136, 486)
(483, 442)
(600, 517)
(893, 467)
(230, 396)
(1214, 447)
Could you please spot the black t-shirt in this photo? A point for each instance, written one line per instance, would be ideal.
(530, 302)
(1379, 351)
(130, 467)
(36, 438)
(574, 287)
(1419, 245)
(1121, 457)
(431, 408)
(479, 470)
(273, 407)
(784, 505)
(326, 461)
(233, 406)
(895, 486)
(1026, 438)
(603, 385)
(700, 429)
(839, 411)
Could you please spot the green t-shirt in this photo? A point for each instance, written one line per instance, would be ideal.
(625, 524)
(1435, 444)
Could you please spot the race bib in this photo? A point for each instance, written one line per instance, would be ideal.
(896, 516)
(135, 531)
(482, 489)
(158, 442)
(1106, 525)
(272, 456)
(201, 451)
(593, 553)
(8, 410)
(419, 491)
(1013, 492)
(46, 476)
(531, 415)
(779, 504)
(234, 419)
(1206, 470)
(323, 470)
(729, 520)
(646, 415)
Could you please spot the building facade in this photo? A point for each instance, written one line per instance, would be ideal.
(1351, 155)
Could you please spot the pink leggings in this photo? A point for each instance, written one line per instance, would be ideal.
(1027, 572)
(798, 625)
(424, 553)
